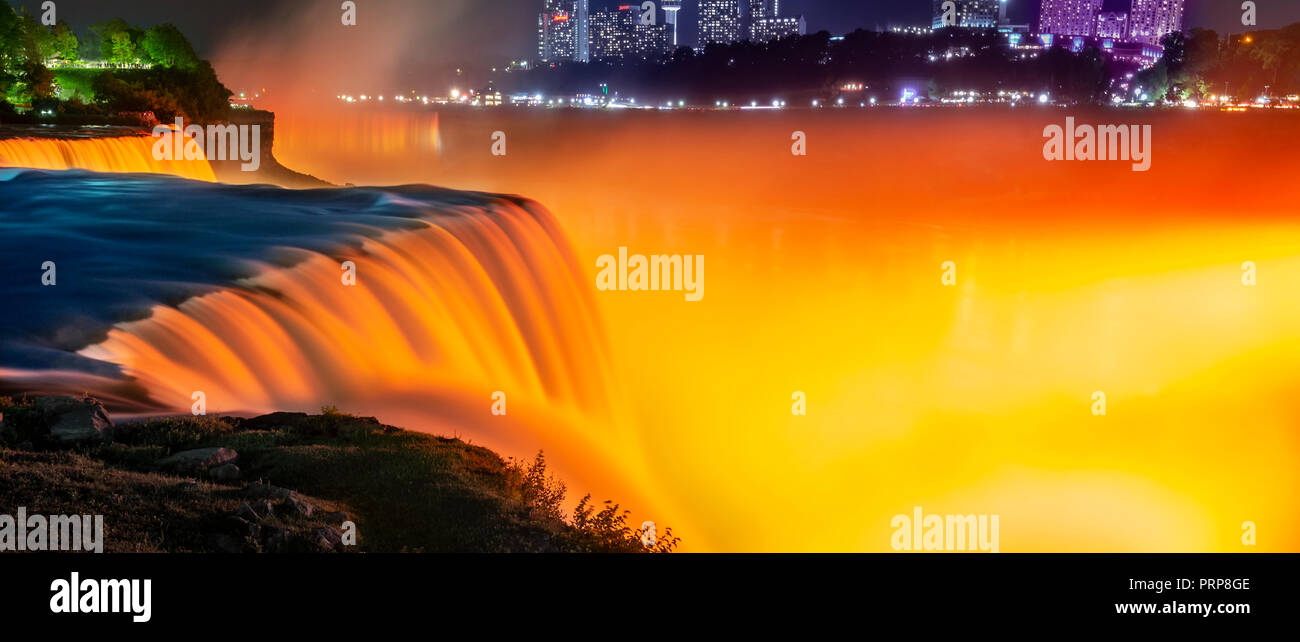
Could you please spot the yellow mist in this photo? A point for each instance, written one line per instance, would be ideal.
(824, 277)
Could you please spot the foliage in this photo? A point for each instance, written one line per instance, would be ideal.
(592, 531)
(154, 70)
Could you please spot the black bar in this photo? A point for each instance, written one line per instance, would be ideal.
(400, 590)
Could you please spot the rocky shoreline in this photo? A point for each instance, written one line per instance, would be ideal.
(287, 482)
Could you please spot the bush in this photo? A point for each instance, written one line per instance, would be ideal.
(593, 531)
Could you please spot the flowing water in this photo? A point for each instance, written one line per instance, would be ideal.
(101, 154)
(823, 277)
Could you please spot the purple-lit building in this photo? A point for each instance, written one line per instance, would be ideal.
(1151, 20)
(1069, 17)
(1112, 25)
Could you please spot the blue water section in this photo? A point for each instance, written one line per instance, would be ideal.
(122, 243)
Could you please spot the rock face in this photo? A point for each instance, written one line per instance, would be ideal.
(199, 459)
(71, 420)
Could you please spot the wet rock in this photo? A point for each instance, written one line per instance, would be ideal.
(72, 420)
(198, 459)
(224, 472)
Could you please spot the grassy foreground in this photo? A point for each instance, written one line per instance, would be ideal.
(403, 491)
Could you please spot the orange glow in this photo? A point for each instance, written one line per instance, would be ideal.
(824, 276)
(117, 154)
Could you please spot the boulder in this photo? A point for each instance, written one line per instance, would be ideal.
(242, 528)
(198, 459)
(258, 489)
(224, 472)
(71, 419)
(327, 538)
(263, 509)
(273, 539)
(246, 512)
(295, 506)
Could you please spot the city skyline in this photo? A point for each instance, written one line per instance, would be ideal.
(464, 31)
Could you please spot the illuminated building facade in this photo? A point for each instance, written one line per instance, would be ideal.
(766, 22)
(1069, 17)
(970, 14)
(557, 31)
(719, 21)
(1151, 20)
(776, 28)
(618, 33)
(1112, 25)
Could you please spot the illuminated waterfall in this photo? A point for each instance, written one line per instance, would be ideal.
(116, 154)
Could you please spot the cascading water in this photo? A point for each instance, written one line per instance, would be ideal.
(101, 154)
(164, 288)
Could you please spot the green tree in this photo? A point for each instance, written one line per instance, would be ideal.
(118, 41)
(65, 46)
(165, 46)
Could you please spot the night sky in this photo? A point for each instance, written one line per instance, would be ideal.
(505, 28)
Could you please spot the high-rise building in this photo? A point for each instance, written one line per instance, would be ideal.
(671, 7)
(1069, 17)
(759, 9)
(1151, 20)
(970, 14)
(719, 21)
(611, 33)
(1113, 25)
(776, 28)
(766, 22)
(557, 31)
(582, 31)
(619, 33)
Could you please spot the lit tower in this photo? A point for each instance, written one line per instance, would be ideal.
(671, 7)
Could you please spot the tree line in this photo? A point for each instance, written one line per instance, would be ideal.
(112, 67)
